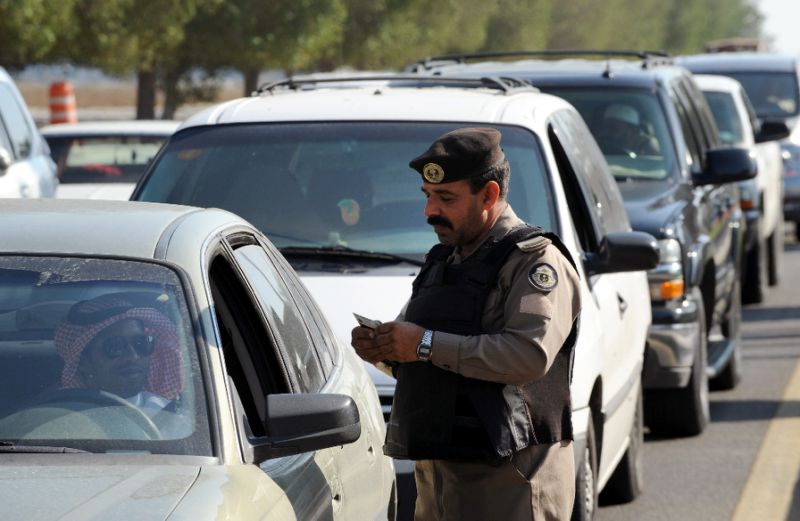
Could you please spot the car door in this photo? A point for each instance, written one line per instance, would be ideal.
(621, 299)
(265, 351)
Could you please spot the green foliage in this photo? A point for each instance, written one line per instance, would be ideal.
(29, 29)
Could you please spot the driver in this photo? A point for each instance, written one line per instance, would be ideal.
(114, 345)
(621, 129)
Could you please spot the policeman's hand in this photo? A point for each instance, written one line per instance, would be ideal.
(363, 341)
(400, 339)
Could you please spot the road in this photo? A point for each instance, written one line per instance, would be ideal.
(745, 466)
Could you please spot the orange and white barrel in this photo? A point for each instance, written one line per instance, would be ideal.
(63, 108)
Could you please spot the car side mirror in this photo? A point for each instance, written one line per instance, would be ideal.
(5, 160)
(297, 423)
(726, 165)
(772, 131)
(624, 251)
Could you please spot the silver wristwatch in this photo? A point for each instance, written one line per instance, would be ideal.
(425, 346)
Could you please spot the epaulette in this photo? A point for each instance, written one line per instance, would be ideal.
(536, 244)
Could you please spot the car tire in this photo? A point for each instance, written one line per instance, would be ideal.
(754, 276)
(684, 411)
(586, 494)
(775, 255)
(731, 374)
(627, 481)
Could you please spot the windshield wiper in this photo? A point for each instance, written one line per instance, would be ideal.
(10, 446)
(343, 251)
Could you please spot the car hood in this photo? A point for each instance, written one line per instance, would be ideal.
(379, 294)
(93, 491)
(114, 191)
(652, 205)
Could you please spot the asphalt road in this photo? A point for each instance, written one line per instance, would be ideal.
(738, 468)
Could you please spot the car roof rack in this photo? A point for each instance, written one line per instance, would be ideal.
(508, 85)
(648, 58)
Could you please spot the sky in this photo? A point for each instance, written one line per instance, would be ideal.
(782, 24)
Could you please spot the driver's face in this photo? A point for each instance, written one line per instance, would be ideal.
(118, 359)
(624, 133)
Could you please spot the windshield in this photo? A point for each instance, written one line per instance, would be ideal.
(342, 184)
(98, 355)
(773, 94)
(102, 159)
(726, 116)
(630, 128)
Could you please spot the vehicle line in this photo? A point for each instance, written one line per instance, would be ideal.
(769, 489)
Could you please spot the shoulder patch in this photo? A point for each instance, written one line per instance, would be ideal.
(534, 245)
(543, 276)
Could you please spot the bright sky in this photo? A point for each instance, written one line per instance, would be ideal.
(781, 23)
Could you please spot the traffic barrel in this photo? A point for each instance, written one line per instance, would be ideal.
(62, 103)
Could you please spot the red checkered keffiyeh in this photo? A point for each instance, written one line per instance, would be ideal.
(70, 339)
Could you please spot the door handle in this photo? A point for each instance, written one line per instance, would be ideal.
(623, 306)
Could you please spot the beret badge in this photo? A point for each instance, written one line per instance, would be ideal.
(433, 173)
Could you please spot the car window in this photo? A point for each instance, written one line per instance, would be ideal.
(103, 159)
(773, 94)
(329, 184)
(690, 137)
(723, 107)
(99, 355)
(280, 307)
(646, 152)
(579, 198)
(15, 123)
(590, 167)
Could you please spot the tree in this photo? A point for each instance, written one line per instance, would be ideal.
(29, 29)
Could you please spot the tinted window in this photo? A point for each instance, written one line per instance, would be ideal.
(281, 308)
(15, 122)
(330, 184)
(630, 128)
(108, 159)
(691, 139)
(591, 169)
(727, 117)
(773, 94)
(99, 355)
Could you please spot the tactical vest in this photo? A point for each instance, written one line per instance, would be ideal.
(439, 414)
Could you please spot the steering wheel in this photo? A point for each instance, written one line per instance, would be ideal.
(103, 399)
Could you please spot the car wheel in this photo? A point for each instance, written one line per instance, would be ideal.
(586, 492)
(775, 255)
(627, 480)
(754, 278)
(730, 376)
(684, 411)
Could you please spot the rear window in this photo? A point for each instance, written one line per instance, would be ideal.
(330, 184)
(645, 152)
(102, 159)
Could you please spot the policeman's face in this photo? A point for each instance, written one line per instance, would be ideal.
(118, 359)
(458, 216)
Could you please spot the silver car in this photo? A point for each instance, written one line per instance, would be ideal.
(165, 362)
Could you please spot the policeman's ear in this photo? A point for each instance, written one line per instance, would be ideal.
(491, 194)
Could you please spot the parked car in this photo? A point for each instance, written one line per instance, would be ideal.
(104, 159)
(321, 167)
(678, 183)
(761, 197)
(772, 81)
(26, 170)
(170, 364)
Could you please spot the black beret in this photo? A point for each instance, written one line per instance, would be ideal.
(459, 154)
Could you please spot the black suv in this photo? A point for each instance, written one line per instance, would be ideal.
(658, 135)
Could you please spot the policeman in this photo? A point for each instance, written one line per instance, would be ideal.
(483, 350)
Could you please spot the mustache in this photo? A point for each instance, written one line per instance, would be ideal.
(441, 221)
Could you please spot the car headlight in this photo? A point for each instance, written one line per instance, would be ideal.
(747, 196)
(791, 159)
(666, 279)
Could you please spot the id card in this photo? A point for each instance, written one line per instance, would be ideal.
(367, 322)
